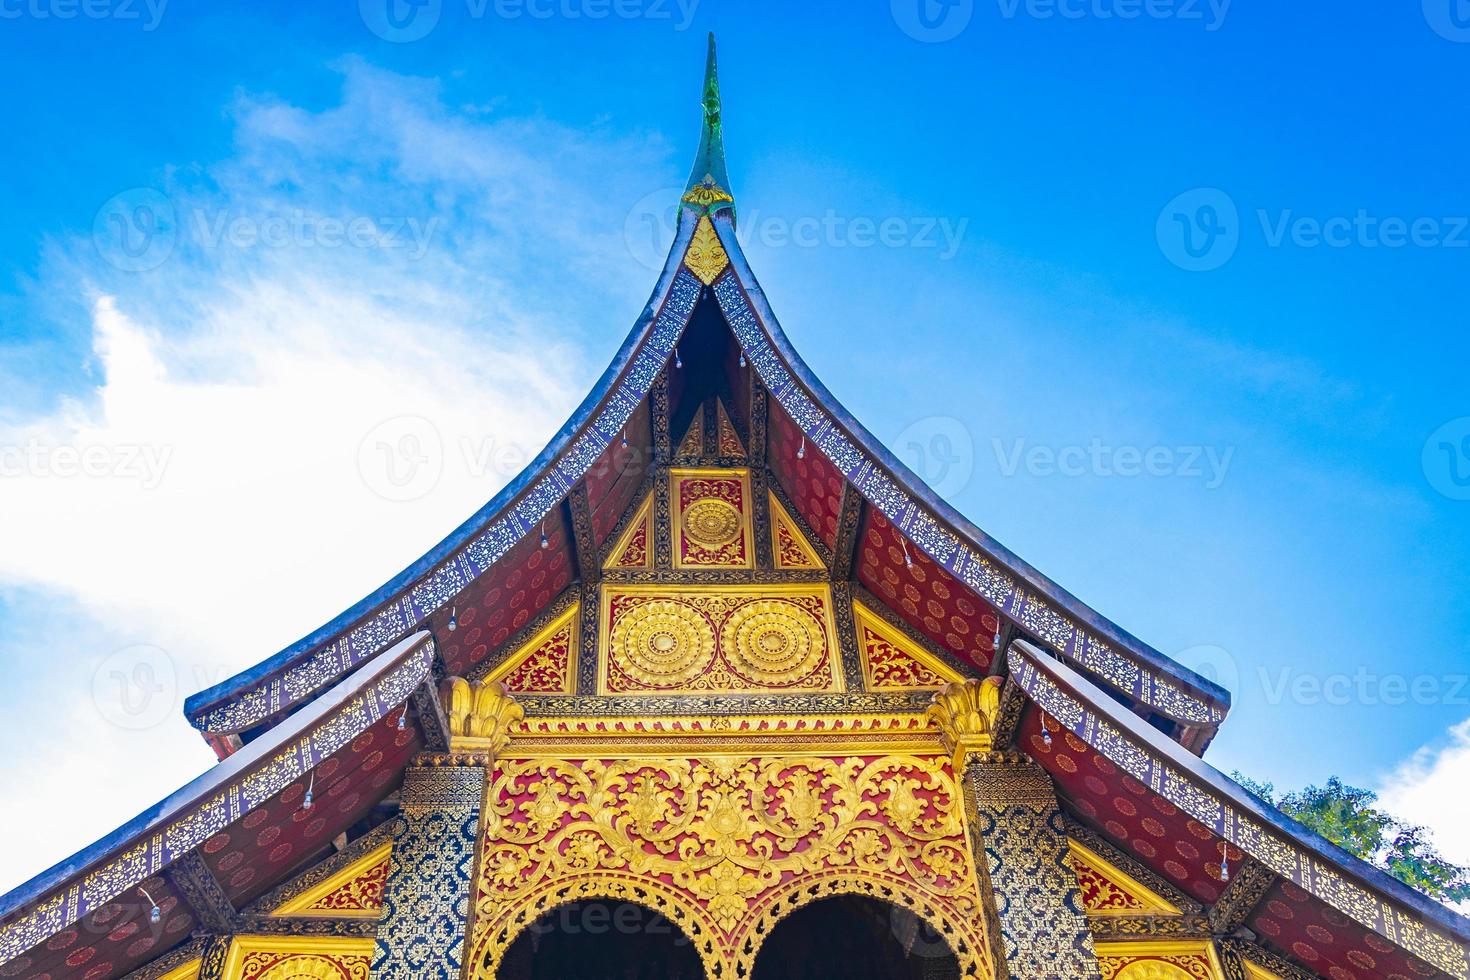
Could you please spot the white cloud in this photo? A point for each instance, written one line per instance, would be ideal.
(1432, 788)
(222, 485)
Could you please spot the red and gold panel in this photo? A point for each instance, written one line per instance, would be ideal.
(1162, 837)
(729, 442)
(1190, 960)
(501, 602)
(272, 841)
(711, 510)
(893, 662)
(789, 547)
(1302, 928)
(730, 639)
(546, 663)
(1108, 890)
(812, 483)
(725, 846)
(925, 596)
(355, 892)
(298, 958)
(635, 548)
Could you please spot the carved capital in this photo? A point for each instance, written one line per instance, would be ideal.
(480, 716)
(966, 712)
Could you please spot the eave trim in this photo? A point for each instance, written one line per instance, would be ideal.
(1403, 916)
(160, 835)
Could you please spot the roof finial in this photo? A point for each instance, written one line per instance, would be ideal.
(708, 183)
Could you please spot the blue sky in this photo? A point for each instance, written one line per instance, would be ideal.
(1174, 289)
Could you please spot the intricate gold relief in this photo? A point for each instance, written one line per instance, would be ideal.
(706, 257)
(711, 518)
(965, 712)
(480, 714)
(789, 547)
(1187, 960)
(706, 193)
(545, 664)
(662, 644)
(298, 958)
(693, 442)
(729, 443)
(893, 662)
(711, 523)
(1107, 890)
(634, 548)
(354, 892)
(725, 846)
(730, 639)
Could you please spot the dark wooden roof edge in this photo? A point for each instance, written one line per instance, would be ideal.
(1084, 709)
(171, 826)
(938, 510)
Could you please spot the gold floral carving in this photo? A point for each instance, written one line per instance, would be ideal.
(634, 548)
(725, 846)
(711, 523)
(706, 257)
(789, 546)
(544, 664)
(711, 518)
(298, 958)
(1107, 890)
(480, 715)
(965, 713)
(1194, 959)
(706, 193)
(354, 892)
(891, 661)
(730, 639)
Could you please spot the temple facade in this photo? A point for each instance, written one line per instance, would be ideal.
(717, 688)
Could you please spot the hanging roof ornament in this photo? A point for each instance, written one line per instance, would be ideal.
(708, 180)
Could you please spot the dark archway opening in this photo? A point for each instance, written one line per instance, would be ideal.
(601, 940)
(852, 937)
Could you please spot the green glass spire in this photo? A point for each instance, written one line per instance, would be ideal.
(709, 185)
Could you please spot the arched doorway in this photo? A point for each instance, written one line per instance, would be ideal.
(601, 940)
(853, 937)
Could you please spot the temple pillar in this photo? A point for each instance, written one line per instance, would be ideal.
(427, 897)
(1021, 850)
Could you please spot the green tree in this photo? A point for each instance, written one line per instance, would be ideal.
(1350, 818)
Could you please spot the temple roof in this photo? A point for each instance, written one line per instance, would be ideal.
(344, 709)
